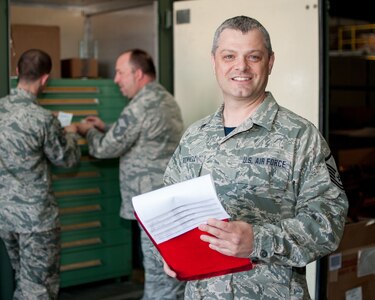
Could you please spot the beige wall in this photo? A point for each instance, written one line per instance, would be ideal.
(122, 30)
(115, 32)
(69, 21)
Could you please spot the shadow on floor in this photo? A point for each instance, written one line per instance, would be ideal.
(104, 290)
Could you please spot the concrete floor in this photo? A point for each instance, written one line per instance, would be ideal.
(116, 289)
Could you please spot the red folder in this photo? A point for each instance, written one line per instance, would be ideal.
(193, 259)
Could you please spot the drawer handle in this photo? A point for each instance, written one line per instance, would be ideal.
(68, 101)
(81, 142)
(65, 89)
(80, 243)
(81, 192)
(86, 158)
(81, 265)
(82, 174)
(87, 225)
(81, 113)
(80, 209)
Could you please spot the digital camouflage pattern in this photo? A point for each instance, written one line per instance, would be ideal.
(275, 171)
(40, 251)
(144, 137)
(163, 286)
(31, 138)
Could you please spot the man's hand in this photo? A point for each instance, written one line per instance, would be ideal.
(168, 270)
(229, 238)
(96, 121)
(71, 128)
(83, 128)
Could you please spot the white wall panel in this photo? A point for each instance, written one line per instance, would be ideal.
(293, 26)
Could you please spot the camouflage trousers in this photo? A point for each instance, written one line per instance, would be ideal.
(247, 285)
(158, 285)
(35, 258)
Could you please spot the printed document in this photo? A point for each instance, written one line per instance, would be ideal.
(173, 210)
(65, 118)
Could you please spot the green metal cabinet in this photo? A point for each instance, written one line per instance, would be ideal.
(96, 243)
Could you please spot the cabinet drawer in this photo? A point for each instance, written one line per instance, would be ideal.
(89, 205)
(78, 241)
(92, 222)
(88, 189)
(83, 175)
(92, 265)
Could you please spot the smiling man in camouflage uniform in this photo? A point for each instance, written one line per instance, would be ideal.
(273, 171)
(144, 137)
(31, 139)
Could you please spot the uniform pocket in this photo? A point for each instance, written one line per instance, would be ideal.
(261, 181)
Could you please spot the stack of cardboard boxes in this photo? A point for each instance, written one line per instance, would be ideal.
(351, 268)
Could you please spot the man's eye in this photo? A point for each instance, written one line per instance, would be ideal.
(254, 58)
(228, 57)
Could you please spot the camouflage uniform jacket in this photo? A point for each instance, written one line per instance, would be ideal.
(30, 139)
(144, 137)
(274, 171)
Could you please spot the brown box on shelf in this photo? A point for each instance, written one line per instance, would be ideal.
(356, 157)
(46, 38)
(350, 267)
(79, 67)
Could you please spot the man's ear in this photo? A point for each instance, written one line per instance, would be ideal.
(138, 74)
(213, 63)
(44, 79)
(270, 63)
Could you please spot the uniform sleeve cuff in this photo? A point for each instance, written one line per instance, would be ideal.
(263, 245)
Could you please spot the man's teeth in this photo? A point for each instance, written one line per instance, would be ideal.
(241, 78)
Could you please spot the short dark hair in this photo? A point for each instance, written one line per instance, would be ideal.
(140, 59)
(33, 64)
(243, 24)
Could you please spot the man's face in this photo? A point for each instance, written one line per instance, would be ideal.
(242, 65)
(125, 76)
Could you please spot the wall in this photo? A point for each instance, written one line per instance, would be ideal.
(70, 23)
(294, 34)
(115, 32)
(119, 31)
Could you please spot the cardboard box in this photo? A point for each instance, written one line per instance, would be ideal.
(79, 67)
(351, 272)
(46, 38)
(356, 157)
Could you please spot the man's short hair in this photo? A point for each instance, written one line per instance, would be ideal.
(33, 64)
(243, 24)
(140, 59)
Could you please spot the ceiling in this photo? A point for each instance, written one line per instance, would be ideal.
(356, 10)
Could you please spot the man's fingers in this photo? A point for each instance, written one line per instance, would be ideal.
(168, 270)
(215, 226)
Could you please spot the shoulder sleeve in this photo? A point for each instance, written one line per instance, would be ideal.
(120, 137)
(61, 149)
(320, 209)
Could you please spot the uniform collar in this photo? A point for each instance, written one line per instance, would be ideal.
(264, 116)
(144, 90)
(24, 95)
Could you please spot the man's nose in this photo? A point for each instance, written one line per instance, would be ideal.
(242, 64)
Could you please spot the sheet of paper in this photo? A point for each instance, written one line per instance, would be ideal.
(65, 118)
(173, 210)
